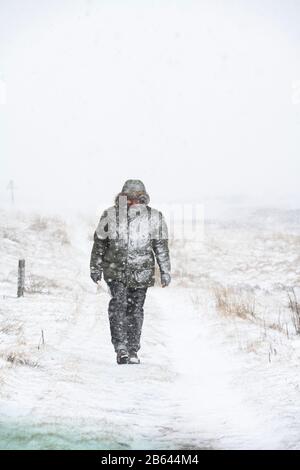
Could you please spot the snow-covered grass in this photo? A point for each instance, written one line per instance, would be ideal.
(220, 352)
(294, 306)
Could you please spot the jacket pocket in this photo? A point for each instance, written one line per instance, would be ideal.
(143, 276)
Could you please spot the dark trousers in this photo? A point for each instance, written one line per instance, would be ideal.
(126, 315)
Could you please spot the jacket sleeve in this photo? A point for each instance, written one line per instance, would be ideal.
(160, 247)
(99, 248)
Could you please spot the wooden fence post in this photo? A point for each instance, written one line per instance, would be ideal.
(21, 277)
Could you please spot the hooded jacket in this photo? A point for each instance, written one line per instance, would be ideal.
(129, 239)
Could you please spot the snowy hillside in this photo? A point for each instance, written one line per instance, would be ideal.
(220, 347)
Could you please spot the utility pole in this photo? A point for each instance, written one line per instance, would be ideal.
(11, 187)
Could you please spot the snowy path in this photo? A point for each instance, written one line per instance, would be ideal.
(190, 391)
(179, 397)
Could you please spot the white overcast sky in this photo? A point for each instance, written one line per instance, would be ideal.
(200, 99)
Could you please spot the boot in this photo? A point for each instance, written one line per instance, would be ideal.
(133, 357)
(122, 356)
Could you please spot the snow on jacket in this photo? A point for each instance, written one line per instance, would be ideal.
(126, 243)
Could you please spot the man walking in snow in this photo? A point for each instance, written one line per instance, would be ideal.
(128, 239)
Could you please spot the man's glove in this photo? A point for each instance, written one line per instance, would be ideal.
(96, 275)
(165, 279)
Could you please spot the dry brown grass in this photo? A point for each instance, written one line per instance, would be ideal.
(10, 233)
(39, 224)
(233, 303)
(54, 225)
(40, 285)
(61, 236)
(294, 306)
(10, 328)
(287, 238)
(19, 359)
